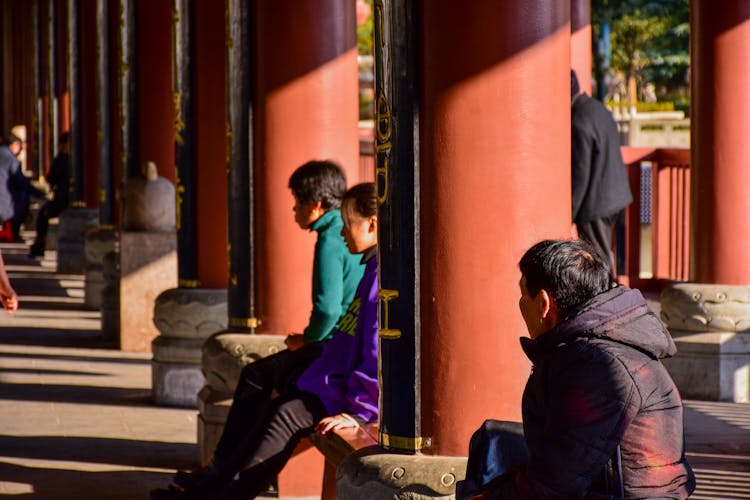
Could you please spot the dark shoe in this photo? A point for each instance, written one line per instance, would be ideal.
(36, 251)
(191, 478)
(177, 493)
(167, 494)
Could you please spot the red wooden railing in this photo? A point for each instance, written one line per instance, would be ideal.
(660, 183)
(665, 189)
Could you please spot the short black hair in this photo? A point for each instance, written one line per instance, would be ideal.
(365, 199)
(319, 180)
(570, 270)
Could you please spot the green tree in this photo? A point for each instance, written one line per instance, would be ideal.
(649, 41)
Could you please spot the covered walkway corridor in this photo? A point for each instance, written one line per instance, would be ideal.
(78, 422)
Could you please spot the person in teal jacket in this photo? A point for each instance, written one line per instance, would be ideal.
(338, 390)
(317, 187)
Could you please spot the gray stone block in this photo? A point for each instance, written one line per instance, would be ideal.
(710, 325)
(375, 475)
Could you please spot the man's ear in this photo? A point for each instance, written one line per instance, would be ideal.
(373, 226)
(547, 306)
(318, 208)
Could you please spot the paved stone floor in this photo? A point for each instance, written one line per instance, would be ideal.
(77, 422)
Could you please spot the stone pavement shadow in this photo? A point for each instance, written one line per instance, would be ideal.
(44, 483)
(97, 450)
(77, 394)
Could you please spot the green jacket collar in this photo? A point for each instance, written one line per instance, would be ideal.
(328, 219)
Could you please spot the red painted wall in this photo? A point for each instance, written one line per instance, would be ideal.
(155, 106)
(210, 144)
(495, 178)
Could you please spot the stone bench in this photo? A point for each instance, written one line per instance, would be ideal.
(355, 466)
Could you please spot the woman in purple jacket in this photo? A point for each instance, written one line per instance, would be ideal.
(338, 390)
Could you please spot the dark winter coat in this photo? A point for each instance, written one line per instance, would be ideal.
(597, 381)
(599, 178)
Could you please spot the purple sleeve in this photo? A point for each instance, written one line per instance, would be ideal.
(362, 385)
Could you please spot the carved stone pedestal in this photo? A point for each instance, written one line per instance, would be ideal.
(710, 325)
(185, 317)
(377, 476)
(148, 266)
(224, 356)
(71, 238)
(99, 242)
(110, 297)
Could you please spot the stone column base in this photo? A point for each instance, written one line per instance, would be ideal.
(710, 325)
(74, 222)
(376, 476)
(99, 242)
(213, 408)
(185, 317)
(224, 356)
(713, 366)
(148, 266)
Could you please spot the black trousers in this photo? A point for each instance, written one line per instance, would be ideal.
(256, 386)
(598, 233)
(50, 209)
(267, 446)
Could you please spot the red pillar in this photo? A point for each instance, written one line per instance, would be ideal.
(305, 107)
(580, 42)
(155, 108)
(210, 145)
(494, 179)
(720, 151)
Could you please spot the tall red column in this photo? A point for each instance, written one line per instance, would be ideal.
(155, 107)
(720, 151)
(304, 107)
(580, 42)
(494, 179)
(210, 145)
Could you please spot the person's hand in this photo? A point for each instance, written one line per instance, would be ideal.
(10, 301)
(294, 341)
(335, 422)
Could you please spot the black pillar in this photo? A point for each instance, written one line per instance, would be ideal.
(49, 81)
(184, 153)
(74, 81)
(33, 157)
(103, 124)
(397, 178)
(128, 161)
(240, 289)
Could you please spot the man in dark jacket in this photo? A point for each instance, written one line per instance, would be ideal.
(599, 178)
(602, 418)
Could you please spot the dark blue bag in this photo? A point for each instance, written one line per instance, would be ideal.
(495, 448)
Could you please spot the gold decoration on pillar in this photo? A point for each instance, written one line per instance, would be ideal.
(188, 283)
(244, 322)
(383, 130)
(404, 443)
(179, 124)
(179, 188)
(385, 296)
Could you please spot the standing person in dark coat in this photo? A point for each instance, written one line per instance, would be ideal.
(9, 166)
(602, 418)
(599, 178)
(59, 182)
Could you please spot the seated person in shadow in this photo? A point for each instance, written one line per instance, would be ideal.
(338, 390)
(602, 417)
(58, 179)
(317, 188)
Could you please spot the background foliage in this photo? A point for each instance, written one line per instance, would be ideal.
(649, 44)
